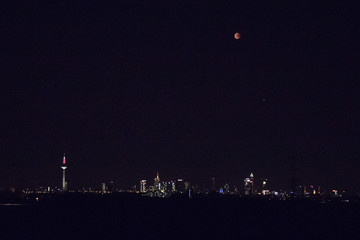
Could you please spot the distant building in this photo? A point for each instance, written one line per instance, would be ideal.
(103, 187)
(143, 186)
(173, 186)
(252, 183)
(249, 185)
(334, 193)
(226, 188)
(170, 187)
(151, 190)
(180, 186)
(157, 182)
(157, 186)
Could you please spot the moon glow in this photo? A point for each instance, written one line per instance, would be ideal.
(237, 35)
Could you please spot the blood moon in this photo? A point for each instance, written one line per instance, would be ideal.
(237, 35)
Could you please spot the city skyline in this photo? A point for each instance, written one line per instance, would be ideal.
(126, 90)
(248, 187)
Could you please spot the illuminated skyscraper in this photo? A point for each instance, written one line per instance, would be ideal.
(226, 188)
(63, 167)
(157, 182)
(249, 185)
(173, 186)
(252, 183)
(143, 186)
(103, 187)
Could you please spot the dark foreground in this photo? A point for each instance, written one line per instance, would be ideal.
(119, 217)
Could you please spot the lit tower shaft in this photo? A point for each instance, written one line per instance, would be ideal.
(63, 167)
(157, 182)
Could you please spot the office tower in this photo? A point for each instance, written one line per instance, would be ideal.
(226, 188)
(173, 186)
(63, 167)
(169, 188)
(157, 182)
(143, 186)
(334, 193)
(247, 186)
(252, 183)
(103, 187)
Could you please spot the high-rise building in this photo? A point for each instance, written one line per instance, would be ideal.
(249, 185)
(103, 187)
(169, 188)
(143, 186)
(173, 186)
(157, 182)
(252, 183)
(334, 193)
(64, 167)
(226, 188)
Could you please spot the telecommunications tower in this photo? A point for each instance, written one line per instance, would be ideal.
(63, 167)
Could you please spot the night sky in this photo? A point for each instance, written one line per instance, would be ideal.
(129, 89)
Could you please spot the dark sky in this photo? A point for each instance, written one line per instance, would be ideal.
(129, 89)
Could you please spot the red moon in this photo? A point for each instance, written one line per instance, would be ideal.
(237, 35)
